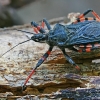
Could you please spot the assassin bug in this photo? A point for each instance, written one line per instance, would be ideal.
(82, 35)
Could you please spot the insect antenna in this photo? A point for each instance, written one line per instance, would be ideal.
(15, 46)
(24, 31)
(5, 29)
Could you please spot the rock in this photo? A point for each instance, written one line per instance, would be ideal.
(6, 94)
(3, 81)
(54, 75)
(10, 77)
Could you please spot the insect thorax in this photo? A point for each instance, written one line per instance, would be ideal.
(58, 36)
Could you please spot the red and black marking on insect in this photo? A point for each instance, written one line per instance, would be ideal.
(87, 47)
(83, 35)
(82, 18)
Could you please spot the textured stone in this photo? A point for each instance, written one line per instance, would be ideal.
(53, 75)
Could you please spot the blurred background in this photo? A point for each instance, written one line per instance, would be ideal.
(18, 12)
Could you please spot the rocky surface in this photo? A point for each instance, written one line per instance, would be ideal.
(53, 77)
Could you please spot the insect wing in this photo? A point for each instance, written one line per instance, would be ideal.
(86, 34)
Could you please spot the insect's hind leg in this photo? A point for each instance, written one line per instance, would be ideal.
(82, 17)
(86, 12)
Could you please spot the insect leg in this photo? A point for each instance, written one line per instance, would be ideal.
(37, 65)
(70, 60)
(95, 14)
(39, 28)
(47, 24)
(85, 13)
(82, 16)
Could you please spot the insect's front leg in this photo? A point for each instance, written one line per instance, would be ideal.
(37, 65)
(47, 24)
(71, 61)
(39, 28)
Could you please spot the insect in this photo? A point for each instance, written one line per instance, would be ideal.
(82, 35)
